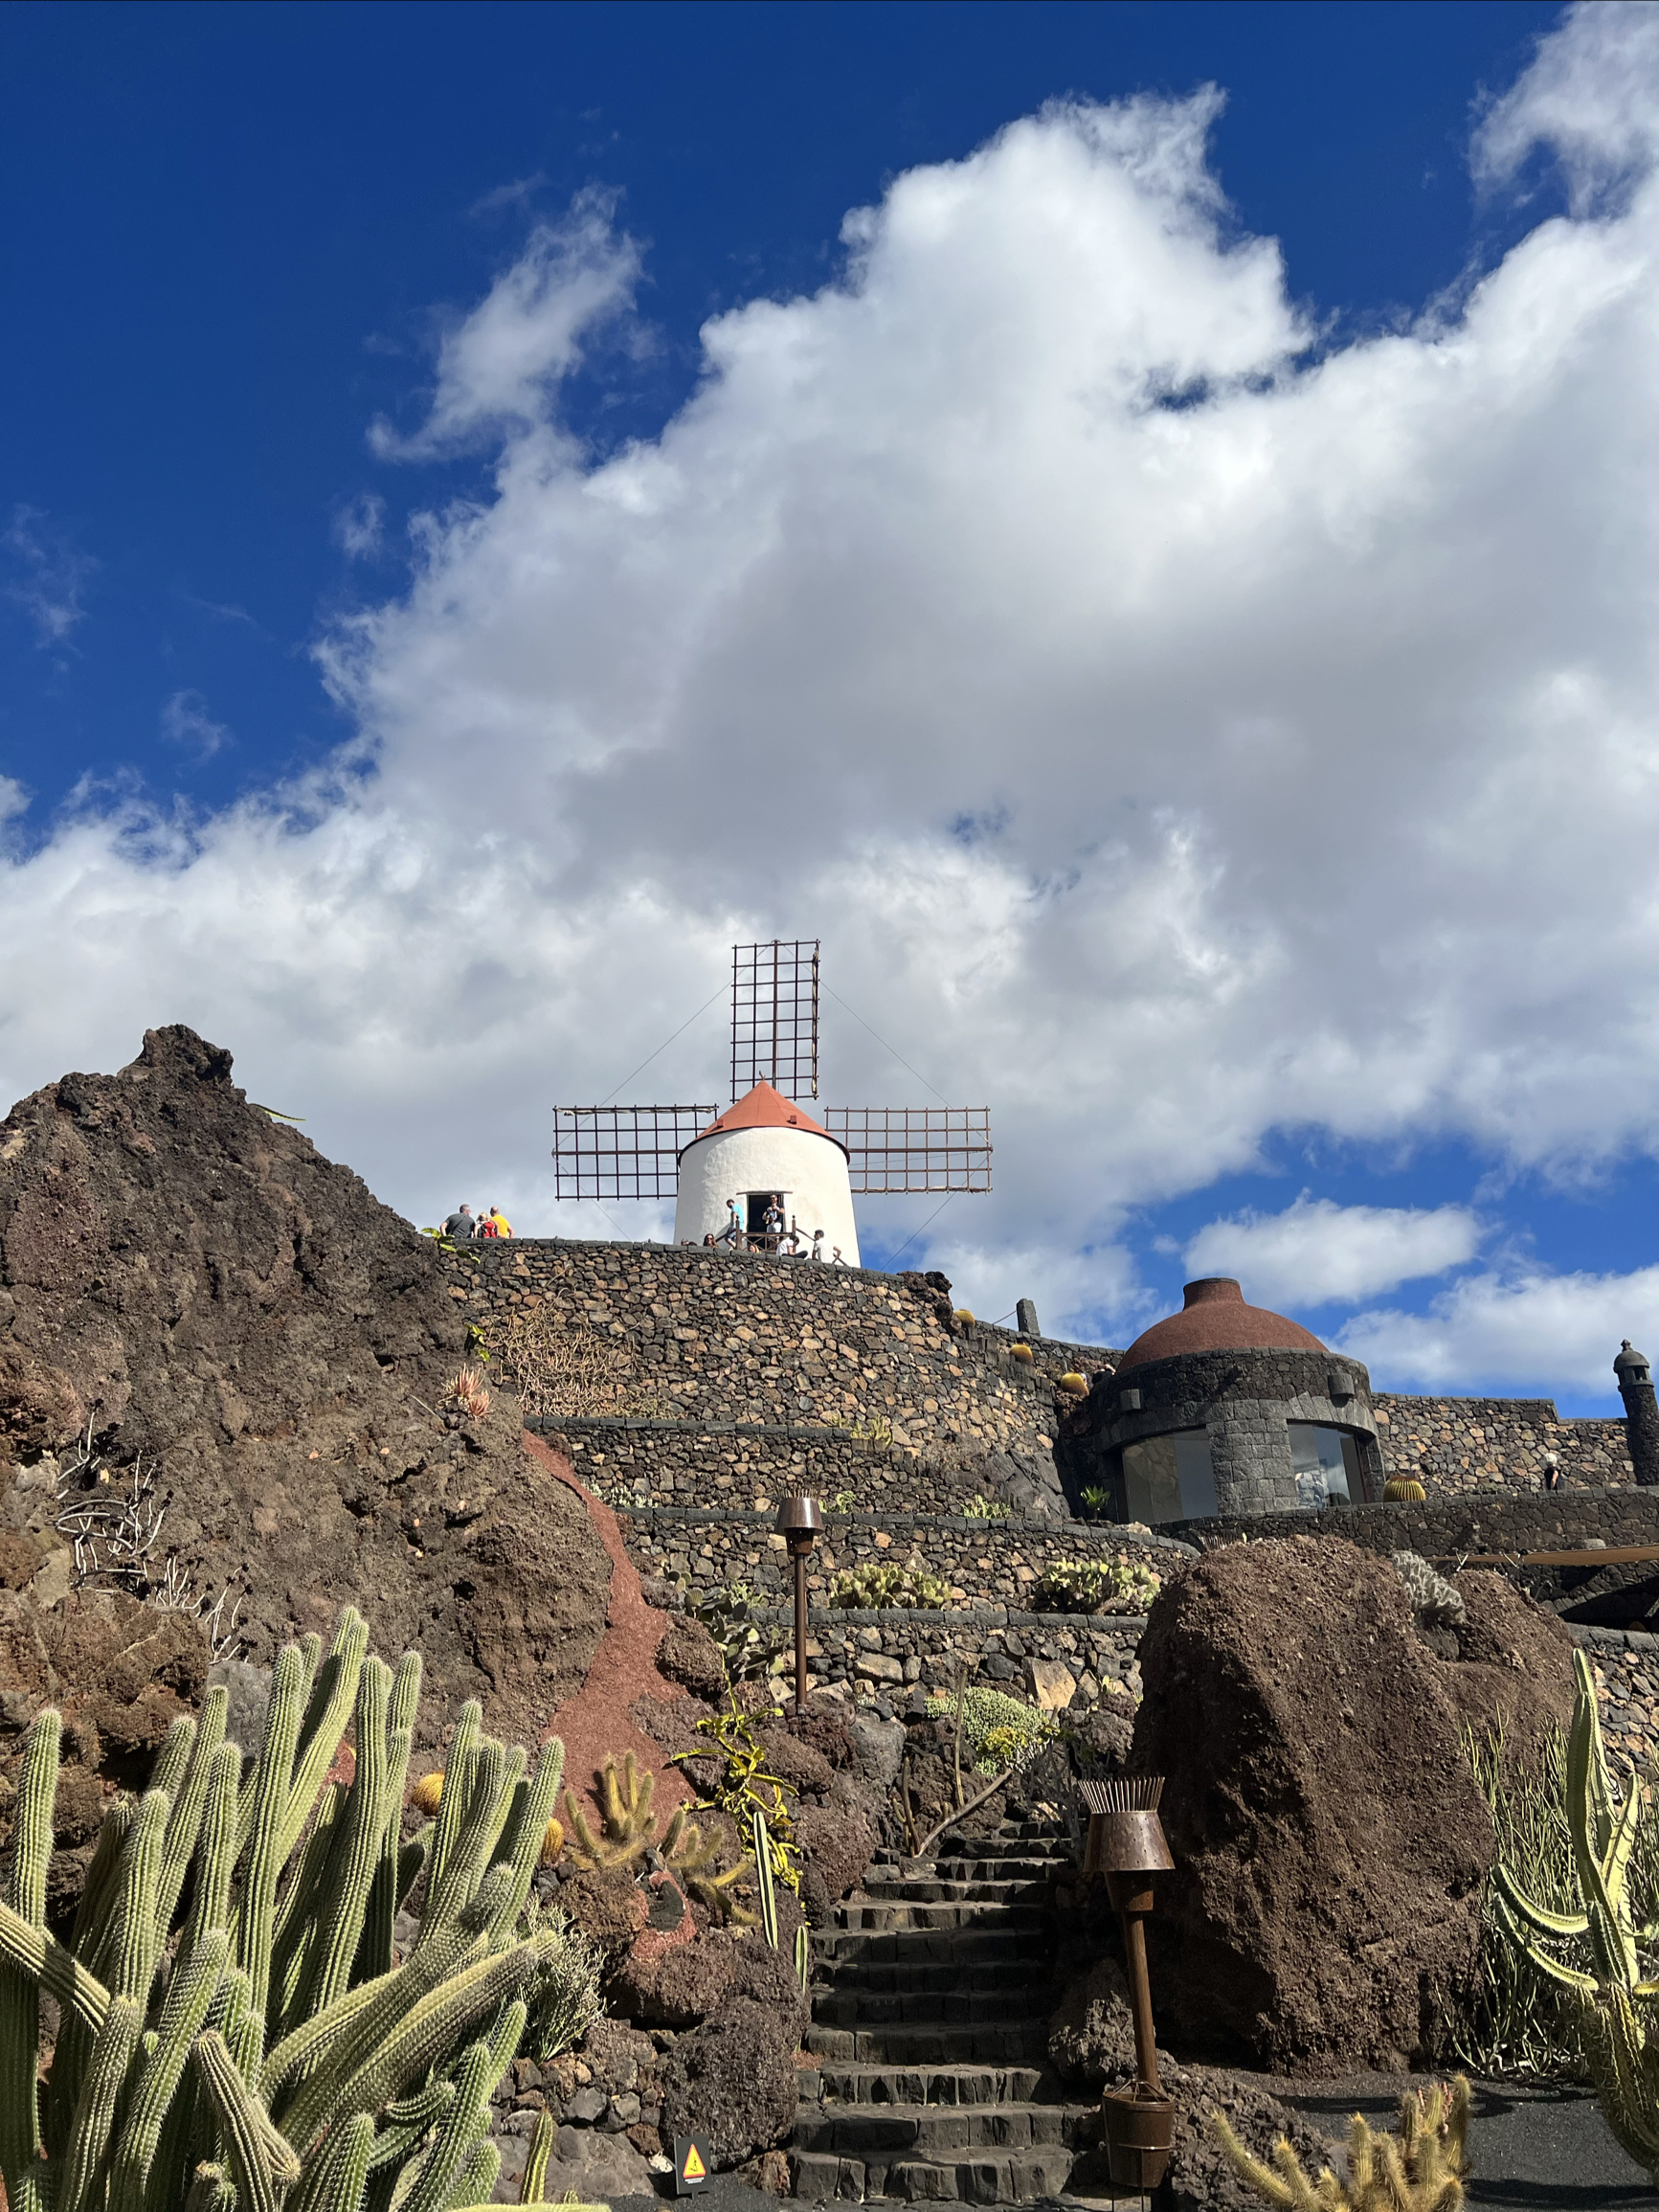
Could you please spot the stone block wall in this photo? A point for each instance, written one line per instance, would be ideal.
(718, 1336)
(889, 1656)
(751, 1466)
(1491, 1521)
(1479, 1443)
(986, 1562)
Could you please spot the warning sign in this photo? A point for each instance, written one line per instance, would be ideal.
(692, 2161)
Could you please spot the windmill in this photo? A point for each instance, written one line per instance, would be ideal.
(726, 1171)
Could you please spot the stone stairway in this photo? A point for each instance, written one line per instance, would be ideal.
(927, 2075)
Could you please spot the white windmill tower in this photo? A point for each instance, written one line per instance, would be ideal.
(766, 1151)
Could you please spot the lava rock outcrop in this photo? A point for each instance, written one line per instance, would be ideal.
(192, 1284)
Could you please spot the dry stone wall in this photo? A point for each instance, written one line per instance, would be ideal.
(1456, 1444)
(995, 1562)
(721, 1337)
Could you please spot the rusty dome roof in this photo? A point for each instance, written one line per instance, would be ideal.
(1214, 1318)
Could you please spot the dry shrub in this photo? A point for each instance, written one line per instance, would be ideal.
(560, 1370)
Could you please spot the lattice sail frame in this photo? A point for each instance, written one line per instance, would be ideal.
(622, 1151)
(900, 1148)
(775, 1016)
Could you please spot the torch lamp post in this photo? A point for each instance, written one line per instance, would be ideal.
(798, 1522)
(1127, 1845)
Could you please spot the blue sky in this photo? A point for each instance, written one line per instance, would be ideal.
(1164, 592)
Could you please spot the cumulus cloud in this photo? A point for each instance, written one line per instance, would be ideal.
(43, 572)
(1175, 732)
(185, 722)
(1316, 1252)
(1532, 1332)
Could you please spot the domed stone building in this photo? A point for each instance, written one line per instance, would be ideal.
(1228, 1408)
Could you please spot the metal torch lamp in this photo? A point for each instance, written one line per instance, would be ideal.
(1127, 1845)
(798, 1522)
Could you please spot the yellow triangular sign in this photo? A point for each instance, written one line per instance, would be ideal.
(693, 2170)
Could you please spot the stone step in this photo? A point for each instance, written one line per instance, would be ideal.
(993, 2178)
(942, 1890)
(942, 2045)
(871, 1916)
(1011, 1836)
(970, 1942)
(916, 1975)
(863, 2008)
(835, 2083)
(988, 1869)
(935, 2132)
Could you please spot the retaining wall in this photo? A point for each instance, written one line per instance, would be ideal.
(723, 1336)
(996, 1563)
(1457, 1444)
(1486, 1520)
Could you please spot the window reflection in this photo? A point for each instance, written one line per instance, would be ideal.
(1169, 1478)
(1325, 1463)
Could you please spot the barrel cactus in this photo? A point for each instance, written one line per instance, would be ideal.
(1403, 1490)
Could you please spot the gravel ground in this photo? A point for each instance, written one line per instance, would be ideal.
(1537, 2147)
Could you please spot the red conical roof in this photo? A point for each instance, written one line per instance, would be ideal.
(764, 1108)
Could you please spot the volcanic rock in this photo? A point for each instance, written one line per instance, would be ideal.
(1329, 1838)
(186, 1282)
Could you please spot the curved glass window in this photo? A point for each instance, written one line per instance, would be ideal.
(1169, 1478)
(1325, 1463)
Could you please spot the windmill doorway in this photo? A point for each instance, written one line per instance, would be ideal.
(766, 1218)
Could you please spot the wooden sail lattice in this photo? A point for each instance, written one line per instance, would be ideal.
(634, 1151)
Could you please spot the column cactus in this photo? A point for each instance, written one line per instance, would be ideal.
(285, 2059)
(1605, 1983)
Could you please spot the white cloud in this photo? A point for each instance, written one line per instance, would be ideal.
(185, 722)
(1161, 774)
(358, 526)
(1589, 96)
(1316, 1251)
(498, 366)
(44, 574)
(1531, 1333)
(14, 798)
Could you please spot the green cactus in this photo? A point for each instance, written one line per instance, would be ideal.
(1422, 2169)
(1614, 1999)
(627, 1823)
(288, 2063)
(803, 1957)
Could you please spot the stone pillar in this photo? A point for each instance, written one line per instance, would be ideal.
(1641, 1412)
(1026, 1314)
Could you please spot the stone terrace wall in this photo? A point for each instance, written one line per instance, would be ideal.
(1481, 1521)
(740, 1336)
(638, 1463)
(895, 1656)
(987, 1563)
(1476, 1443)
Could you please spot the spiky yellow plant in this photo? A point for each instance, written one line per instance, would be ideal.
(1422, 2169)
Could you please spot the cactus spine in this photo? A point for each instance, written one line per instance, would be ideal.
(378, 2083)
(1614, 2001)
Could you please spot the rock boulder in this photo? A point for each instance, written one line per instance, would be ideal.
(1330, 1841)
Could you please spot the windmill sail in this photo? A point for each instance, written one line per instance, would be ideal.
(897, 1148)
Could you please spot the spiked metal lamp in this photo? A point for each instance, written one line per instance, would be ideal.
(1127, 1845)
(798, 1522)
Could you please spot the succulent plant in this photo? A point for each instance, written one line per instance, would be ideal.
(1077, 1385)
(236, 2024)
(1422, 2169)
(1403, 1490)
(1434, 1600)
